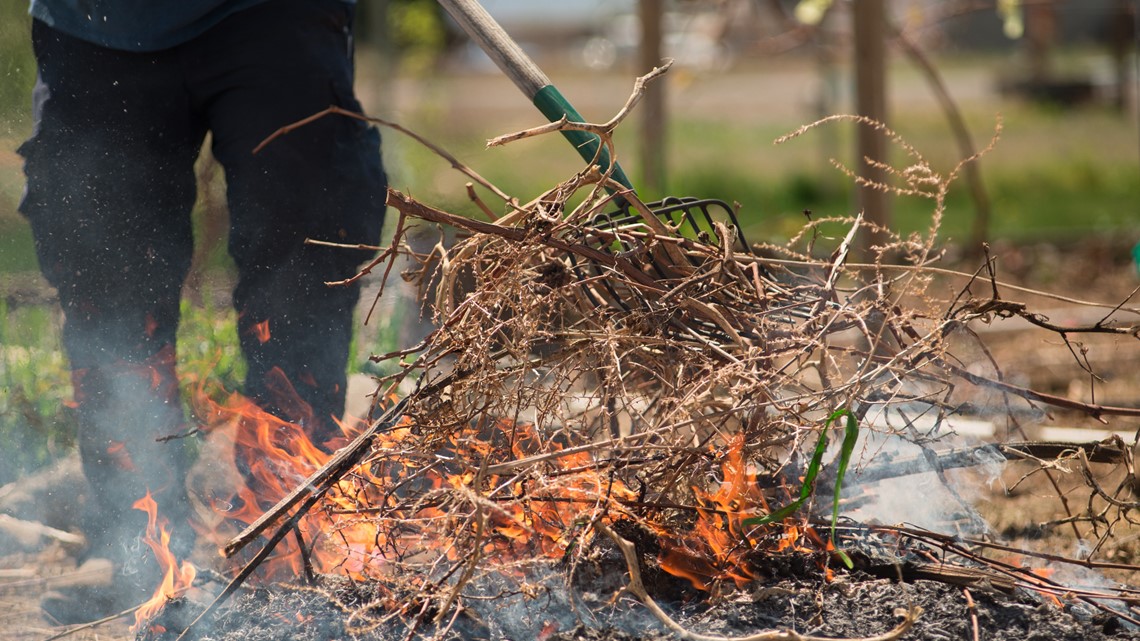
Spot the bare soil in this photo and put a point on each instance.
(853, 605)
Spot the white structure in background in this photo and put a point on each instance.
(602, 34)
(694, 39)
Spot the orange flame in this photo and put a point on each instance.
(717, 547)
(363, 524)
(1045, 573)
(1018, 561)
(277, 455)
(176, 577)
(274, 456)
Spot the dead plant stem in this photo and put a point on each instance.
(637, 588)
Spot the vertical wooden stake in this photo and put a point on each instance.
(651, 14)
(870, 23)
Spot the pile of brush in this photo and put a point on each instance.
(604, 367)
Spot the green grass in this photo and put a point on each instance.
(1052, 174)
(208, 352)
(35, 422)
(17, 66)
(1039, 203)
(17, 254)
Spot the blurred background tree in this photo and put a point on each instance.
(17, 66)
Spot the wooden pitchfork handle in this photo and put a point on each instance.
(529, 78)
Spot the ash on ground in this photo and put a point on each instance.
(850, 606)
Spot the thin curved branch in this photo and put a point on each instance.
(439, 151)
(603, 130)
(637, 588)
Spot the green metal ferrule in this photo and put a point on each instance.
(554, 106)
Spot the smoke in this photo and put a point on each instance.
(904, 478)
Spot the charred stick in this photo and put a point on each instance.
(306, 559)
(951, 574)
(939, 539)
(98, 622)
(636, 587)
(281, 533)
(1023, 575)
(1095, 451)
(338, 465)
(1044, 585)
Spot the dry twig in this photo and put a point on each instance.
(591, 364)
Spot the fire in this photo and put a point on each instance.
(176, 577)
(362, 522)
(1042, 588)
(551, 518)
(272, 456)
(416, 501)
(788, 539)
(1046, 573)
(718, 546)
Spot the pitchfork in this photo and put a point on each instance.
(692, 217)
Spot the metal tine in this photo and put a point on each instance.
(614, 220)
(691, 217)
(686, 207)
(674, 211)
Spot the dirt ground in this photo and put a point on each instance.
(1025, 513)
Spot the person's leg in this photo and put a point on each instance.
(110, 186)
(259, 70)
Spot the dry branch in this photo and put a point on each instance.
(598, 359)
(338, 465)
(637, 588)
(29, 534)
(1099, 452)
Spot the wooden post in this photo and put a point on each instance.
(378, 33)
(869, 17)
(652, 144)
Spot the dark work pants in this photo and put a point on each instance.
(110, 188)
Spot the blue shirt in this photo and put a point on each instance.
(135, 25)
